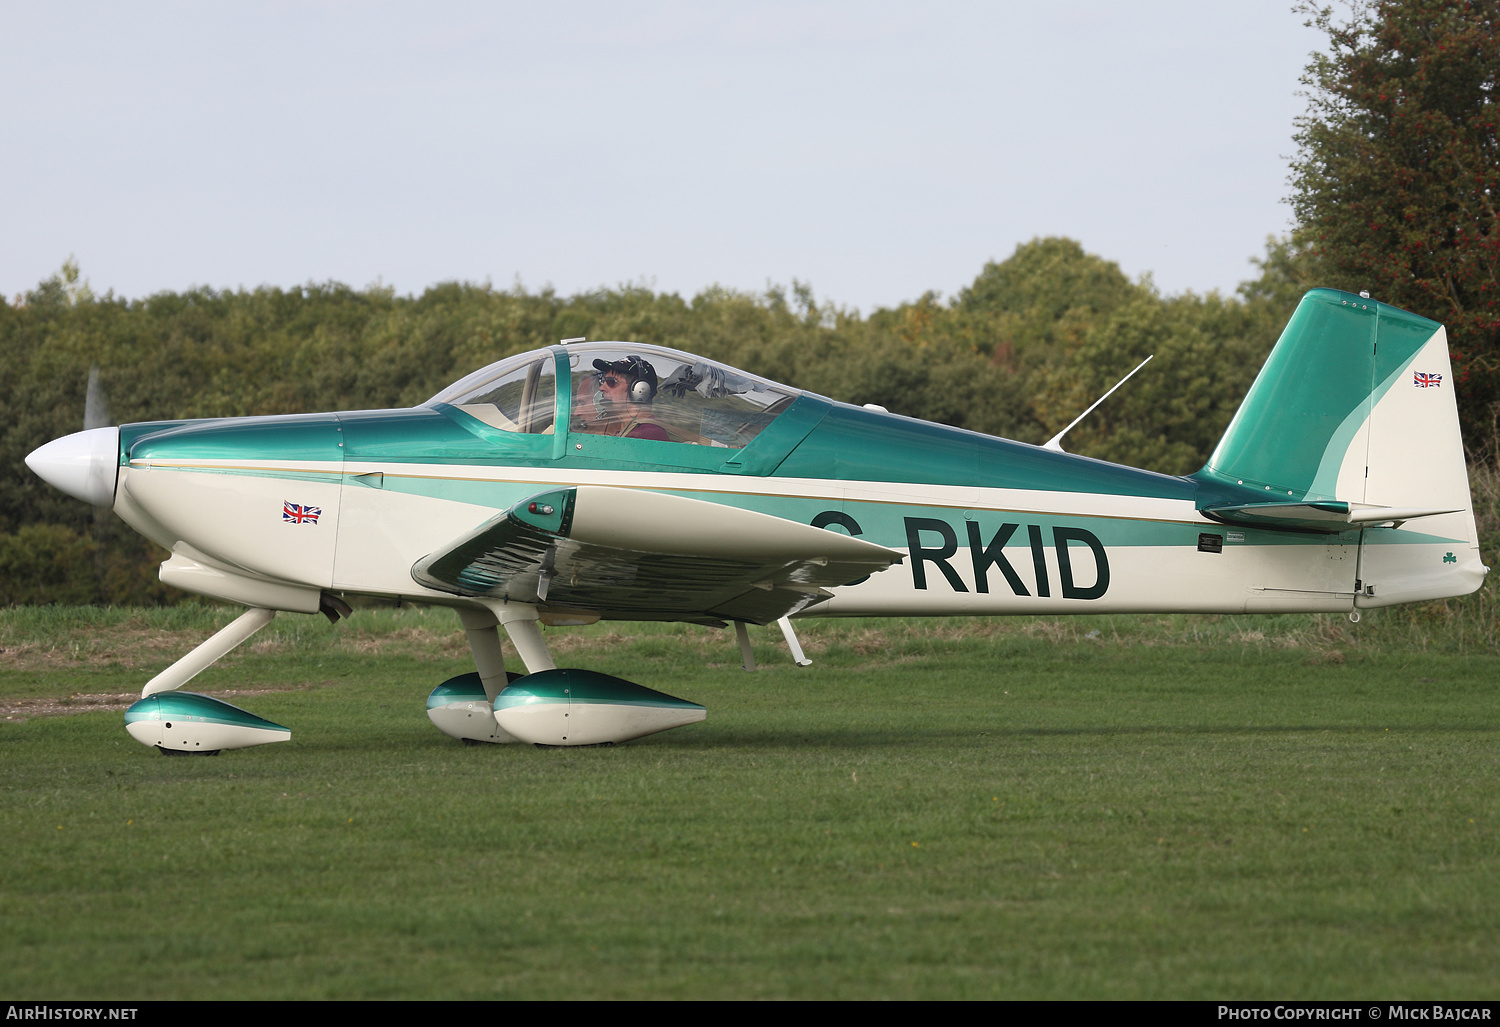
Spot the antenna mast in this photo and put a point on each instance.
(1055, 442)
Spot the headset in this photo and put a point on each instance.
(641, 374)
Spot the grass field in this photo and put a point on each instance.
(1094, 808)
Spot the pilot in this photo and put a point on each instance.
(623, 396)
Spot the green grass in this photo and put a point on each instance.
(1104, 807)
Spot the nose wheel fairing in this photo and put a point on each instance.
(187, 722)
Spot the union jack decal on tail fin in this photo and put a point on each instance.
(295, 513)
(1423, 380)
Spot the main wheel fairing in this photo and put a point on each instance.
(584, 707)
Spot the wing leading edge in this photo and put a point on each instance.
(632, 553)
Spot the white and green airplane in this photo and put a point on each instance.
(608, 480)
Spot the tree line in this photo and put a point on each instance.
(1019, 352)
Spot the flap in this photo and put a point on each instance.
(632, 553)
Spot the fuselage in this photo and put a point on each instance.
(349, 502)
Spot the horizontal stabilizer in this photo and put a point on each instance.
(1325, 516)
(623, 552)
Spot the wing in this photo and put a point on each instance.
(628, 553)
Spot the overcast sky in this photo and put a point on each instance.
(874, 150)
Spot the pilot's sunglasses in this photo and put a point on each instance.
(611, 381)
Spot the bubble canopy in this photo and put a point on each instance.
(621, 389)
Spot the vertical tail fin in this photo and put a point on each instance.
(1354, 411)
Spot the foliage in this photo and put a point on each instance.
(52, 563)
(1019, 352)
(1397, 173)
(42, 562)
(1030, 308)
(1173, 412)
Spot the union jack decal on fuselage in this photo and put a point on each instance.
(295, 513)
(1423, 380)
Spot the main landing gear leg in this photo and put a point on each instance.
(484, 643)
(210, 651)
(463, 707)
(520, 623)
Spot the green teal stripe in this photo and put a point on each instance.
(885, 523)
(322, 477)
(496, 495)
